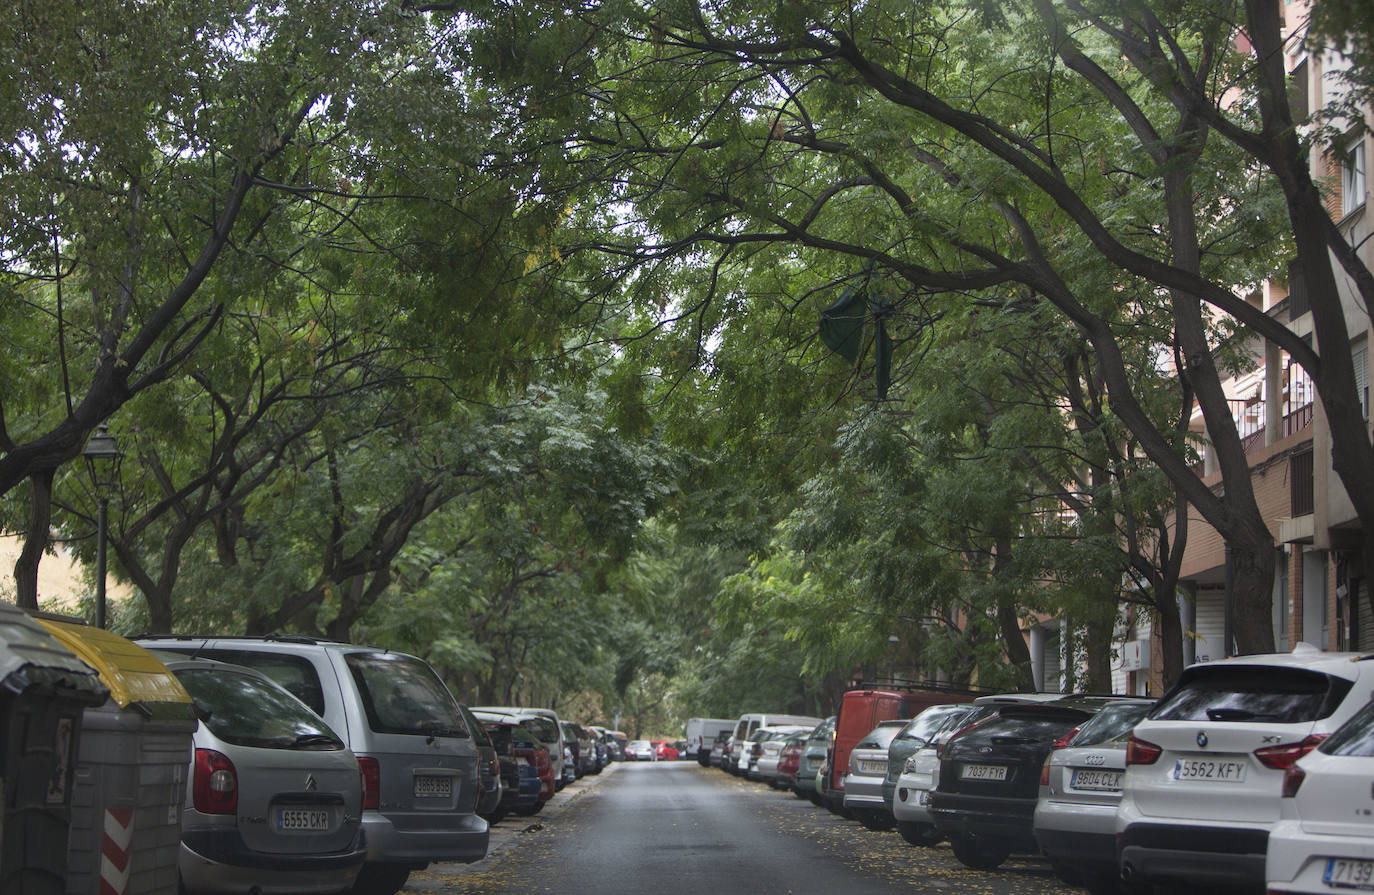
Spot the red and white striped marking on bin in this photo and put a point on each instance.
(115, 851)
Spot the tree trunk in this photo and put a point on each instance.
(35, 539)
(1170, 635)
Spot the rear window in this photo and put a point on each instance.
(1354, 737)
(928, 723)
(403, 695)
(1220, 693)
(880, 737)
(1111, 725)
(1016, 726)
(542, 727)
(248, 711)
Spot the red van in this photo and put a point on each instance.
(861, 708)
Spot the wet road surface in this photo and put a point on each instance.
(676, 827)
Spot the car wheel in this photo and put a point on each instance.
(918, 833)
(495, 817)
(979, 854)
(380, 879)
(874, 820)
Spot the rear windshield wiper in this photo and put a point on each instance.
(1227, 714)
(306, 740)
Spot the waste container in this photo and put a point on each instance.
(43, 691)
(130, 770)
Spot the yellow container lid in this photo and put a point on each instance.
(134, 675)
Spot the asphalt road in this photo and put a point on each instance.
(676, 827)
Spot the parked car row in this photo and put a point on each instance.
(1250, 774)
(325, 767)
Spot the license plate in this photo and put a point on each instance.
(433, 787)
(1342, 873)
(1095, 780)
(1215, 770)
(922, 797)
(983, 772)
(303, 819)
(873, 767)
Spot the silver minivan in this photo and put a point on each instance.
(275, 799)
(417, 758)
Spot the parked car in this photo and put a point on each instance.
(579, 740)
(769, 748)
(543, 723)
(1080, 788)
(916, 734)
(861, 708)
(620, 741)
(984, 800)
(1322, 840)
(489, 764)
(921, 770)
(681, 747)
(789, 762)
(415, 752)
(727, 755)
(718, 749)
(664, 751)
(605, 747)
(814, 749)
(752, 721)
(254, 745)
(640, 750)
(1205, 769)
(863, 785)
(530, 759)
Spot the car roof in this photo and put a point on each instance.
(1303, 655)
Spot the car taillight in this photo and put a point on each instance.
(1045, 773)
(1292, 781)
(1281, 758)
(1064, 740)
(372, 782)
(1140, 751)
(216, 787)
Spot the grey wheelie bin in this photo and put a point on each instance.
(43, 691)
(130, 771)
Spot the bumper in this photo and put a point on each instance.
(1077, 833)
(863, 792)
(1297, 861)
(215, 860)
(1198, 853)
(454, 837)
(913, 805)
(1002, 818)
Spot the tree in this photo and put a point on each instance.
(1079, 152)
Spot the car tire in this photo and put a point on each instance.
(924, 835)
(380, 879)
(979, 854)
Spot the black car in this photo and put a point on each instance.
(989, 778)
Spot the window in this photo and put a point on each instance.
(1352, 176)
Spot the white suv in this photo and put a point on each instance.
(1204, 770)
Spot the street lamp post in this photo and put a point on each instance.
(102, 458)
(892, 639)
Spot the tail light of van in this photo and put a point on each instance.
(372, 782)
(1140, 751)
(215, 789)
(1281, 758)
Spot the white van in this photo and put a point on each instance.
(747, 724)
(701, 734)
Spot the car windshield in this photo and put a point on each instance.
(403, 695)
(928, 723)
(1111, 725)
(246, 710)
(1278, 694)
